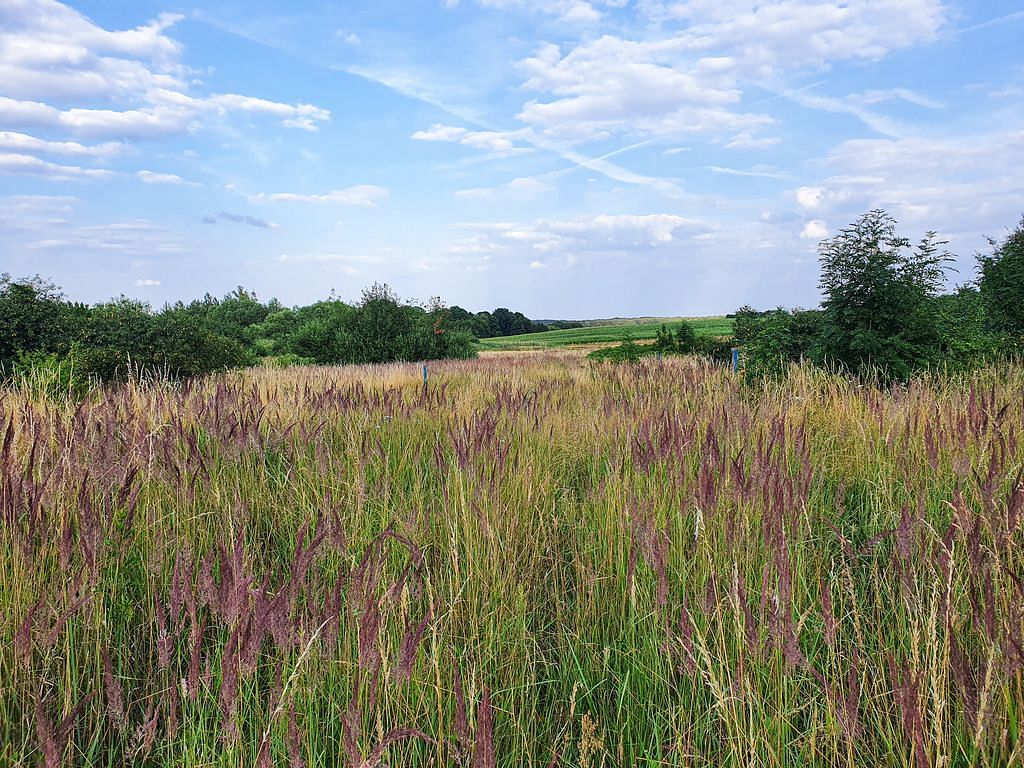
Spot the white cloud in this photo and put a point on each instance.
(814, 230)
(544, 239)
(498, 143)
(11, 162)
(527, 187)
(52, 53)
(147, 283)
(810, 198)
(149, 177)
(138, 237)
(347, 263)
(571, 11)
(803, 33)
(304, 116)
(20, 142)
(365, 195)
(746, 141)
(612, 85)
(961, 186)
(761, 172)
(692, 81)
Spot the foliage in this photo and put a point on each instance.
(122, 338)
(34, 318)
(876, 310)
(685, 338)
(883, 316)
(1001, 281)
(772, 340)
(626, 352)
(485, 325)
(961, 326)
(45, 376)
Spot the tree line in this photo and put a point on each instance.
(883, 312)
(40, 327)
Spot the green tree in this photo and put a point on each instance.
(686, 338)
(117, 339)
(379, 330)
(35, 317)
(1001, 281)
(183, 345)
(664, 341)
(877, 290)
(961, 327)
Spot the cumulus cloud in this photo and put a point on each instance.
(692, 81)
(814, 230)
(612, 85)
(366, 195)
(52, 53)
(147, 283)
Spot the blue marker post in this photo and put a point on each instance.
(735, 359)
(424, 380)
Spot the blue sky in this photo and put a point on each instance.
(567, 158)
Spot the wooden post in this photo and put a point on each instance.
(424, 380)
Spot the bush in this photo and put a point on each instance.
(626, 352)
(686, 338)
(46, 376)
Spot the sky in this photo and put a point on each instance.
(565, 158)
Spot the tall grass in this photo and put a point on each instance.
(539, 562)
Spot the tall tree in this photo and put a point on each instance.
(877, 291)
(1001, 281)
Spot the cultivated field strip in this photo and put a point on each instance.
(537, 561)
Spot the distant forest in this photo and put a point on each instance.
(40, 327)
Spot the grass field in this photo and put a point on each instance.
(603, 334)
(538, 562)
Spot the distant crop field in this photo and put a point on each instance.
(705, 326)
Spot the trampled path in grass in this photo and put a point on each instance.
(541, 561)
(604, 334)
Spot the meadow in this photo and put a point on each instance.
(538, 561)
(603, 334)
